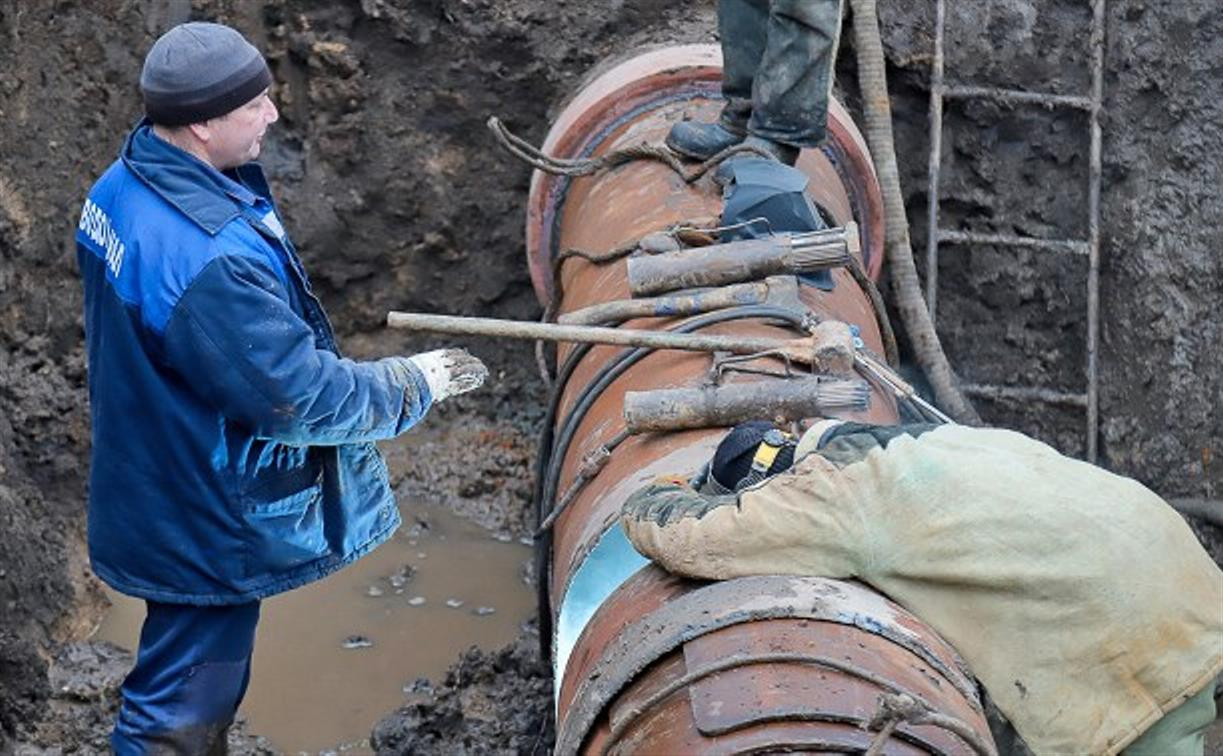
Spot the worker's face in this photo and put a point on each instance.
(236, 137)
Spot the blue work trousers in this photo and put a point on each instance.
(191, 673)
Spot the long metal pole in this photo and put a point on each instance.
(517, 329)
(1093, 230)
(935, 163)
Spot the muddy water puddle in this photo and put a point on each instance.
(333, 657)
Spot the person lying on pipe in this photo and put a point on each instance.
(1082, 601)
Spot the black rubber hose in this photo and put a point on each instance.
(543, 541)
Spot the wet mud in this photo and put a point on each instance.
(334, 656)
(398, 199)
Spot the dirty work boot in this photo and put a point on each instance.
(701, 141)
(782, 153)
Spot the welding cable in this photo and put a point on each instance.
(545, 446)
(626, 359)
(552, 454)
(543, 541)
(591, 466)
(891, 352)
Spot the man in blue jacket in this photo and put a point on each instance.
(233, 453)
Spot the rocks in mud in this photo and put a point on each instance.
(527, 572)
(356, 641)
(403, 576)
(397, 581)
(417, 529)
(483, 611)
(482, 472)
(453, 603)
(416, 601)
(421, 686)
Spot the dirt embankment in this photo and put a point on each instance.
(397, 198)
(394, 193)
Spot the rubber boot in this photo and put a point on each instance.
(701, 141)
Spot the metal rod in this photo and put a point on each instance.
(802, 350)
(1025, 394)
(1011, 240)
(833, 234)
(898, 385)
(1018, 96)
(1210, 510)
(935, 161)
(679, 303)
(1093, 230)
(516, 329)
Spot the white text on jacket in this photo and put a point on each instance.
(96, 225)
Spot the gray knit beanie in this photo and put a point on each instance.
(198, 71)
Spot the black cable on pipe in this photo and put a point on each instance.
(626, 359)
(543, 542)
(586, 474)
(555, 451)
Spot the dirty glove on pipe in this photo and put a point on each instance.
(450, 371)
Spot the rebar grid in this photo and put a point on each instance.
(1093, 103)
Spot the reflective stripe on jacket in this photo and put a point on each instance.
(232, 444)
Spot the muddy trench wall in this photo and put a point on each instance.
(397, 198)
(1017, 317)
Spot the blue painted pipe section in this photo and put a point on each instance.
(612, 562)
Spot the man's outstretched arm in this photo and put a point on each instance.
(235, 340)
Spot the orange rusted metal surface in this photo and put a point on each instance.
(809, 657)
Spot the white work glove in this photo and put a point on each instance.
(450, 371)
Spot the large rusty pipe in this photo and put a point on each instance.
(645, 661)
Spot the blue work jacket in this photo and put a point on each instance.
(232, 444)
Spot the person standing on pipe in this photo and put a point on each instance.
(233, 453)
(1081, 600)
(777, 73)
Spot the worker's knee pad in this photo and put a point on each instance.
(191, 673)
